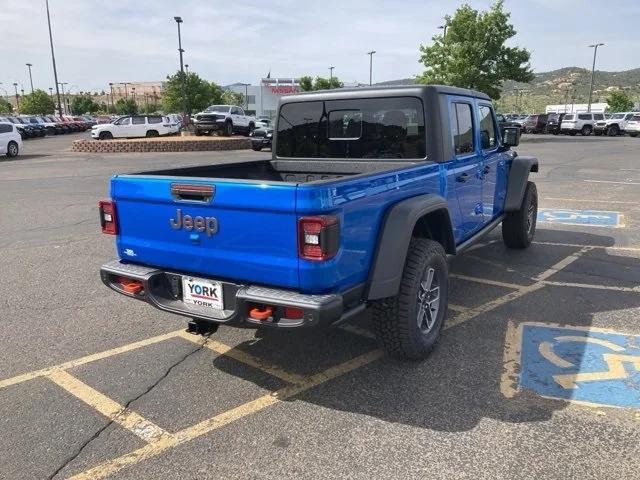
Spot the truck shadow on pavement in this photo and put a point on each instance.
(462, 382)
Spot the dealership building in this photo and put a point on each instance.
(262, 100)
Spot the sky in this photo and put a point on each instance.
(97, 42)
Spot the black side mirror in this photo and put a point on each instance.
(511, 136)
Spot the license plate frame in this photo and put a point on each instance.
(198, 291)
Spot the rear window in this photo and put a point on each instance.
(155, 119)
(137, 120)
(5, 128)
(362, 128)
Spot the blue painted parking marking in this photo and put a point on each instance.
(594, 218)
(587, 365)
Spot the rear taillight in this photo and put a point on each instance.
(108, 219)
(318, 237)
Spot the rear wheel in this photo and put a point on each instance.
(519, 227)
(585, 131)
(153, 133)
(409, 324)
(12, 149)
(633, 134)
(105, 136)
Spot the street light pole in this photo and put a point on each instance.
(64, 100)
(29, 65)
(593, 69)
(182, 76)
(53, 59)
(371, 66)
(444, 28)
(15, 85)
(331, 76)
(186, 67)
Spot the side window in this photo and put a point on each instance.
(137, 120)
(584, 116)
(155, 119)
(487, 128)
(6, 128)
(239, 111)
(462, 128)
(124, 121)
(234, 111)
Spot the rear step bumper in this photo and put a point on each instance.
(163, 290)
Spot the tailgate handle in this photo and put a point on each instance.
(194, 193)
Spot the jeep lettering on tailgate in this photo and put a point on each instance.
(201, 224)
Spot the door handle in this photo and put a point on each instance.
(462, 178)
(486, 169)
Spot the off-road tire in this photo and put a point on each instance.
(228, 129)
(395, 319)
(198, 133)
(12, 149)
(519, 227)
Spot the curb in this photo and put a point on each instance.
(161, 145)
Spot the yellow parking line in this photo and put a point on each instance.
(88, 359)
(153, 449)
(487, 281)
(457, 308)
(135, 423)
(244, 357)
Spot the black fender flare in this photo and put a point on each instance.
(517, 182)
(394, 237)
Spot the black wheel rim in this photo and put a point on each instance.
(428, 300)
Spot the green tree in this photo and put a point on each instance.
(5, 107)
(126, 106)
(151, 107)
(619, 101)
(320, 83)
(199, 93)
(84, 104)
(38, 102)
(232, 98)
(473, 54)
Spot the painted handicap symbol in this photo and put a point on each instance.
(574, 363)
(594, 218)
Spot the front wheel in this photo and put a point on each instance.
(257, 148)
(585, 131)
(228, 129)
(519, 227)
(409, 324)
(12, 149)
(105, 136)
(613, 131)
(153, 133)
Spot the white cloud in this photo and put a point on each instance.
(97, 42)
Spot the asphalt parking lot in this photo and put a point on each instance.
(536, 376)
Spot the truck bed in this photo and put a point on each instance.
(281, 171)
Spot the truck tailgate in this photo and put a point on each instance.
(246, 231)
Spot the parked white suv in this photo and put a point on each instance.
(10, 140)
(633, 125)
(582, 123)
(614, 125)
(133, 126)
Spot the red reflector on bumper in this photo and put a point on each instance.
(293, 313)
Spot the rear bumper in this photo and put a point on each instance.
(163, 290)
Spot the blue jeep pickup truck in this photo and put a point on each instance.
(367, 194)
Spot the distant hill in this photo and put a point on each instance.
(553, 87)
